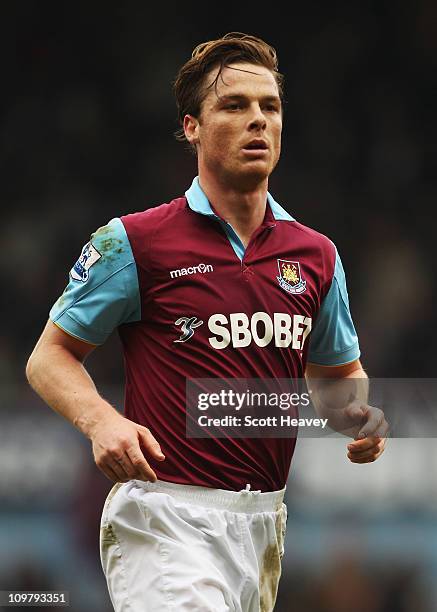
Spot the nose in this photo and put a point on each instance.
(257, 120)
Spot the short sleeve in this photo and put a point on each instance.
(333, 340)
(103, 290)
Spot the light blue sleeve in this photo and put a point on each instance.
(333, 340)
(103, 290)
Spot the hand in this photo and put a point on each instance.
(371, 438)
(117, 443)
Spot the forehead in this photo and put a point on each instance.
(242, 78)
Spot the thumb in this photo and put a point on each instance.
(355, 412)
(150, 444)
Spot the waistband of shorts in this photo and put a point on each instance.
(236, 501)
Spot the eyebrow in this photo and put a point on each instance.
(238, 96)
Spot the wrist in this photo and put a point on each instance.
(88, 422)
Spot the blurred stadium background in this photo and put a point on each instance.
(86, 134)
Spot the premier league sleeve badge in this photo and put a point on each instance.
(88, 257)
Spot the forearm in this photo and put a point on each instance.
(64, 384)
(330, 397)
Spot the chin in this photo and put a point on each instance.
(254, 175)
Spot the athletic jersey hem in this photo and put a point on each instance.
(335, 359)
(73, 328)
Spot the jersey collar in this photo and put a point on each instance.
(198, 202)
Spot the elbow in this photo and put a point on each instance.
(31, 369)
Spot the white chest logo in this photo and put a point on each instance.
(188, 325)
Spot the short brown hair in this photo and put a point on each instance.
(230, 48)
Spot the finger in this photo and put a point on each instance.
(124, 463)
(375, 428)
(383, 430)
(117, 466)
(150, 444)
(109, 473)
(142, 469)
(374, 431)
(367, 455)
(369, 459)
(362, 445)
(374, 420)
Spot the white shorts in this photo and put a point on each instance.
(168, 547)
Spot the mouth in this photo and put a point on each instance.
(256, 149)
(256, 145)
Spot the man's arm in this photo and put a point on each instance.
(340, 394)
(56, 372)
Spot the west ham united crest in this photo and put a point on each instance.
(290, 278)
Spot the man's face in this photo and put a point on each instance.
(238, 133)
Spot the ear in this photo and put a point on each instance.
(191, 129)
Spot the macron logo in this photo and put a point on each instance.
(200, 269)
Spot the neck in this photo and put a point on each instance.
(243, 209)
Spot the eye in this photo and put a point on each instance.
(272, 108)
(233, 106)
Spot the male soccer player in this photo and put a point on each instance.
(219, 283)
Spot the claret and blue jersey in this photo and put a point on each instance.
(189, 301)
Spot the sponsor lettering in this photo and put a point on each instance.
(239, 331)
